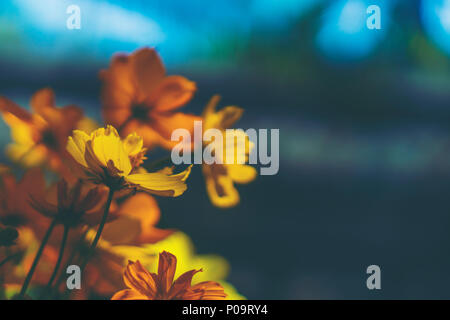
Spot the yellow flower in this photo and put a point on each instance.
(220, 178)
(107, 159)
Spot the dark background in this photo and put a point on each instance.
(363, 118)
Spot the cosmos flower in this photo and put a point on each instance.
(214, 267)
(39, 137)
(137, 96)
(220, 178)
(94, 217)
(107, 159)
(15, 210)
(143, 285)
(73, 205)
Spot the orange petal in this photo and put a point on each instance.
(119, 75)
(138, 278)
(166, 270)
(151, 137)
(181, 284)
(143, 208)
(148, 71)
(173, 92)
(72, 114)
(116, 116)
(8, 106)
(118, 90)
(165, 124)
(153, 235)
(42, 99)
(210, 290)
(128, 294)
(33, 182)
(8, 187)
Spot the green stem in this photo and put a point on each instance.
(70, 260)
(60, 257)
(100, 228)
(37, 258)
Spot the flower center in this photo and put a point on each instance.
(140, 111)
(13, 220)
(49, 139)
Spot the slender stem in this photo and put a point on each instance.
(100, 228)
(71, 258)
(60, 257)
(37, 258)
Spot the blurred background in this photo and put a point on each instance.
(364, 119)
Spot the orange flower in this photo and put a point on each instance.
(15, 210)
(138, 97)
(71, 205)
(135, 223)
(41, 136)
(144, 285)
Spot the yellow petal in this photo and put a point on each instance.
(238, 146)
(228, 116)
(161, 184)
(220, 187)
(240, 173)
(26, 155)
(210, 107)
(222, 119)
(214, 268)
(21, 131)
(180, 245)
(76, 146)
(107, 145)
(129, 252)
(133, 144)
